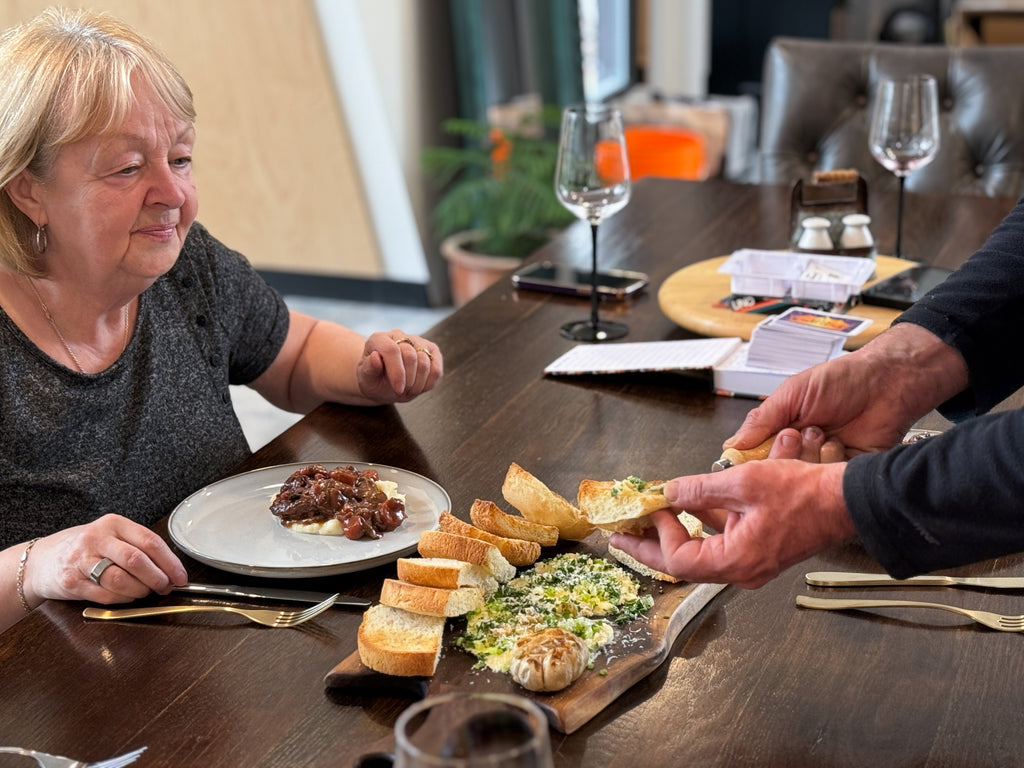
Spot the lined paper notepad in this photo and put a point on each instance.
(689, 354)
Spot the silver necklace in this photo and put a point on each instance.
(60, 336)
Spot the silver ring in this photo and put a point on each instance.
(99, 568)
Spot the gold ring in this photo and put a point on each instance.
(426, 352)
(404, 340)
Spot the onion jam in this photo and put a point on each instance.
(315, 495)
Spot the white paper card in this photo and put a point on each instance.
(688, 354)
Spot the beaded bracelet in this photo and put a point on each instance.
(19, 580)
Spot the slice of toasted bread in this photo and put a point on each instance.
(482, 553)
(430, 601)
(635, 565)
(397, 642)
(621, 505)
(490, 517)
(539, 504)
(516, 551)
(445, 573)
(693, 527)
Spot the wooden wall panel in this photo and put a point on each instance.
(275, 170)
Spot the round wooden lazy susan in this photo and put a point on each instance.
(688, 297)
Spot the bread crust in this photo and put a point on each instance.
(397, 642)
(516, 551)
(445, 573)
(488, 516)
(476, 551)
(539, 504)
(430, 601)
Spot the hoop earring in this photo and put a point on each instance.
(40, 242)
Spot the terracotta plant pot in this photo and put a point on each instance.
(471, 273)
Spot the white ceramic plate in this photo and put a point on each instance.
(229, 525)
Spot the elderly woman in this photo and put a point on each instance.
(123, 322)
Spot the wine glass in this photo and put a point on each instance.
(905, 131)
(473, 730)
(592, 181)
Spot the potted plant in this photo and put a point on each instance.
(499, 203)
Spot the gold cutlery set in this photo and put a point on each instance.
(266, 617)
(1004, 623)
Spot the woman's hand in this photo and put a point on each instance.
(396, 367)
(58, 566)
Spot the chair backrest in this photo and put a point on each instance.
(818, 97)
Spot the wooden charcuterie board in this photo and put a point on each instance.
(639, 648)
(688, 296)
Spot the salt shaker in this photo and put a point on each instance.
(815, 236)
(855, 231)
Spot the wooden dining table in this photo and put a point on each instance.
(751, 680)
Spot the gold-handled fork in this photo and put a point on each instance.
(264, 616)
(57, 761)
(989, 619)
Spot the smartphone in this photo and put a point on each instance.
(904, 288)
(547, 276)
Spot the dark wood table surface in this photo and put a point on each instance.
(753, 680)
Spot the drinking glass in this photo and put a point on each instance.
(905, 131)
(592, 181)
(473, 730)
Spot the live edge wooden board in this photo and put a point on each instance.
(688, 296)
(639, 648)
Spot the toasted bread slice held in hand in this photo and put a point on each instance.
(445, 573)
(621, 505)
(490, 517)
(516, 551)
(482, 553)
(539, 504)
(397, 642)
(693, 527)
(430, 601)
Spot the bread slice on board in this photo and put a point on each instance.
(445, 573)
(490, 517)
(538, 503)
(516, 551)
(444, 544)
(431, 601)
(397, 642)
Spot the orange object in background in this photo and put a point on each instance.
(667, 151)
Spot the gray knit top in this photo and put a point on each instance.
(155, 426)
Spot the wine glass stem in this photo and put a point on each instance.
(594, 298)
(899, 220)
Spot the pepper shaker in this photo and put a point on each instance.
(855, 231)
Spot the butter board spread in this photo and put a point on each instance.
(580, 593)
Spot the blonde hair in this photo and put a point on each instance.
(65, 76)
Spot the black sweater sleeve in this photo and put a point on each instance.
(957, 498)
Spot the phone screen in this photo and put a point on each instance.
(904, 288)
(561, 278)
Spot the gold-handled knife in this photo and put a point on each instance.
(840, 579)
(270, 593)
(733, 456)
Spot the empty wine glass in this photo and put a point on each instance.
(592, 181)
(473, 730)
(905, 131)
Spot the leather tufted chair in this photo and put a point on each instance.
(818, 97)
